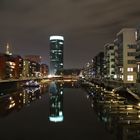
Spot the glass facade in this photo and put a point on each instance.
(56, 53)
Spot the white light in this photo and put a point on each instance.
(138, 68)
(56, 119)
(50, 76)
(56, 38)
(61, 43)
(115, 76)
(60, 113)
(136, 35)
(130, 77)
(130, 69)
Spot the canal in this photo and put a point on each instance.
(53, 111)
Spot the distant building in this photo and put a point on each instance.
(26, 68)
(126, 51)
(10, 67)
(109, 54)
(35, 58)
(99, 65)
(56, 53)
(2, 66)
(74, 72)
(44, 70)
(34, 69)
(18, 65)
(30, 68)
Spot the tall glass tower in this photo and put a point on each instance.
(56, 53)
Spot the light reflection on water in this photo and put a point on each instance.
(118, 118)
(15, 101)
(56, 92)
(56, 102)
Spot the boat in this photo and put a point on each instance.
(31, 83)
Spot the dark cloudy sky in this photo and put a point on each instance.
(86, 25)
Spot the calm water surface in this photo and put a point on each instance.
(54, 111)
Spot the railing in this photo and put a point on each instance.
(20, 79)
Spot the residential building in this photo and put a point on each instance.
(137, 35)
(109, 55)
(126, 50)
(18, 65)
(99, 65)
(7, 66)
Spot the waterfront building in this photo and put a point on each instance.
(109, 56)
(99, 65)
(26, 68)
(56, 53)
(31, 68)
(18, 65)
(126, 51)
(2, 66)
(7, 66)
(137, 35)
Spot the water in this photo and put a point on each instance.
(54, 111)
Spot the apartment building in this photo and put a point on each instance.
(126, 51)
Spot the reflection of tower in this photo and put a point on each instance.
(56, 105)
(56, 53)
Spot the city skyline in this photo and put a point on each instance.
(86, 25)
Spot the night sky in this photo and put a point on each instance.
(85, 24)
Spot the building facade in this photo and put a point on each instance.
(44, 70)
(56, 53)
(137, 34)
(126, 51)
(109, 54)
(99, 65)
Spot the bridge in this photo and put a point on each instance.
(56, 77)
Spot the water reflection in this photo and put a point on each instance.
(118, 116)
(56, 102)
(15, 101)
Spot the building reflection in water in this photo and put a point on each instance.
(15, 101)
(56, 102)
(118, 117)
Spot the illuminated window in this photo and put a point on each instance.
(130, 69)
(136, 35)
(121, 77)
(115, 76)
(121, 70)
(130, 78)
(138, 68)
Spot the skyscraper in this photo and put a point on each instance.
(56, 53)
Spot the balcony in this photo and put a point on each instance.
(137, 58)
